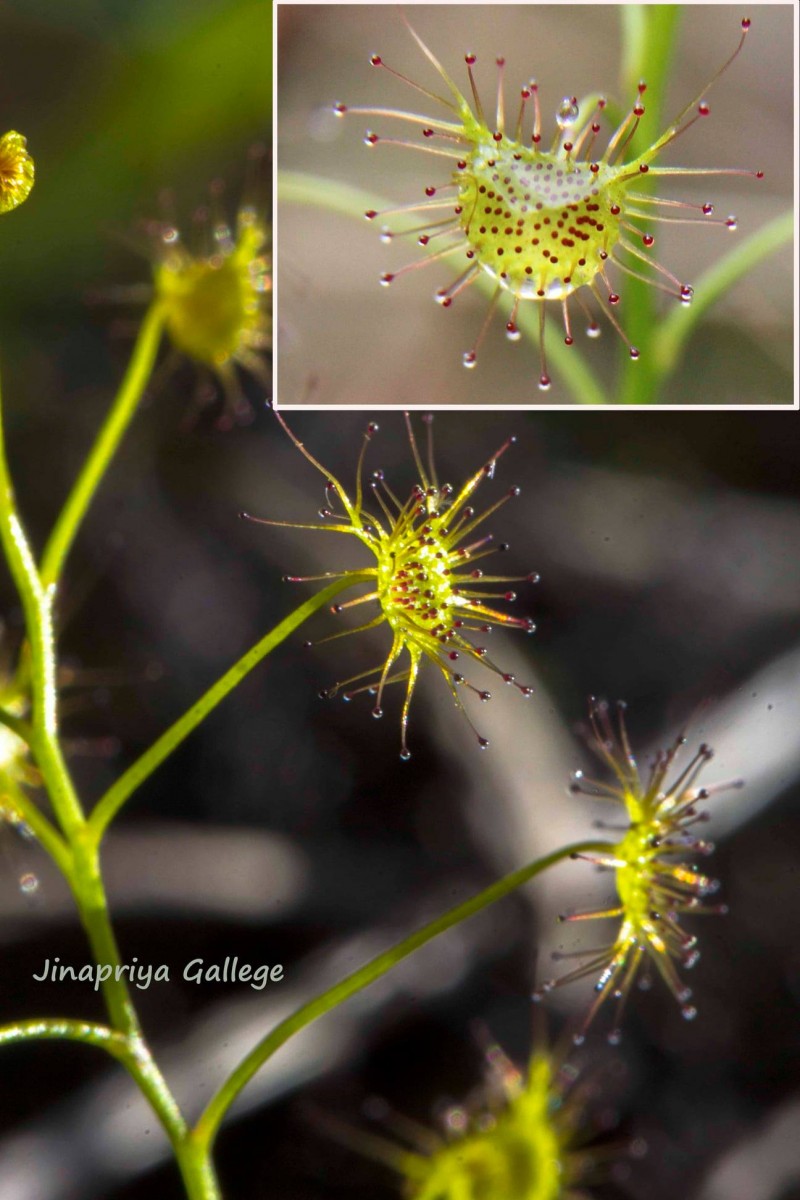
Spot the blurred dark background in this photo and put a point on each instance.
(286, 830)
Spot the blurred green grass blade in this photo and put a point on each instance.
(671, 337)
(295, 187)
(648, 41)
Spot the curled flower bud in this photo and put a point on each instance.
(425, 582)
(16, 171)
(656, 886)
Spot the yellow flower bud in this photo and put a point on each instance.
(16, 171)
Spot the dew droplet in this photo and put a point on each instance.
(731, 223)
(405, 755)
(567, 112)
(28, 883)
(593, 331)
(469, 359)
(544, 383)
(688, 1012)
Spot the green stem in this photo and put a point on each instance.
(109, 805)
(130, 393)
(57, 1028)
(86, 883)
(197, 1170)
(37, 604)
(17, 725)
(39, 825)
(79, 860)
(208, 1124)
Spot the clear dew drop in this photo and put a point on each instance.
(688, 1012)
(28, 883)
(566, 113)
(593, 331)
(469, 359)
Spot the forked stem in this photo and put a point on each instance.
(105, 447)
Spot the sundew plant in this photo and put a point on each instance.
(576, 215)
(536, 1124)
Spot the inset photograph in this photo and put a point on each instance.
(535, 205)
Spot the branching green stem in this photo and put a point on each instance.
(105, 447)
(109, 805)
(75, 853)
(40, 826)
(209, 1122)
